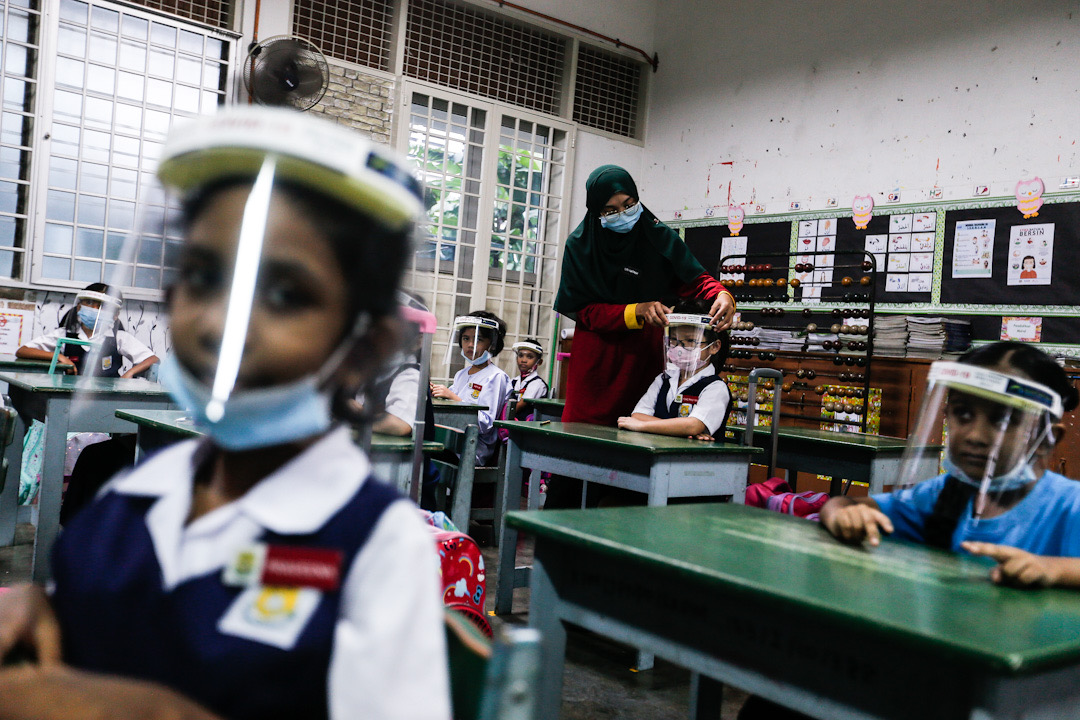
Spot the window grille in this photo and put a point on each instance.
(357, 32)
(607, 91)
(18, 86)
(121, 78)
(459, 47)
(217, 13)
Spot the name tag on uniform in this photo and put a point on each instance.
(476, 388)
(270, 614)
(283, 565)
(106, 362)
(631, 271)
(686, 404)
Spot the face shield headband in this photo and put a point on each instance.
(686, 353)
(463, 323)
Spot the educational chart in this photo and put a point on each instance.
(13, 325)
(817, 237)
(1031, 254)
(973, 249)
(1024, 329)
(906, 253)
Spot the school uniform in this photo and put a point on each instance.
(526, 387)
(489, 388)
(1045, 522)
(399, 390)
(141, 593)
(705, 396)
(119, 346)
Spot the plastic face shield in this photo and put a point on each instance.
(685, 344)
(247, 267)
(531, 349)
(994, 424)
(471, 338)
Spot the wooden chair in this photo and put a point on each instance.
(491, 681)
(460, 475)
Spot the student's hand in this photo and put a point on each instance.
(631, 423)
(61, 692)
(443, 393)
(65, 360)
(702, 436)
(1016, 567)
(27, 619)
(722, 311)
(653, 313)
(854, 522)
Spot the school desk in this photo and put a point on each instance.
(390, 456)
(455, 414)
(858, 457)
(774, 605)
(65, 403)
(663, 467)
(10, 363)
(546, 408)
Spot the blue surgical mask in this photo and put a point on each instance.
(622, 222)
(253, 419)
(479, 360)
(88, 316)
(1015, 479)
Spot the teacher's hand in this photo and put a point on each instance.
(653, 313)
(722, 311)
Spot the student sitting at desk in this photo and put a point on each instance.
(528, 385)
(396, 390)
(94, 318)
(479, 335)
(1003, 404)
(262, 571)
(689, 398)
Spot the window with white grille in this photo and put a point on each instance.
(459, 47)
(217, 13)
(121, 77)
(607, 91)
(358, 32)
(18, 86)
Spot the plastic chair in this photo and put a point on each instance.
(491, 681)
(460, 475)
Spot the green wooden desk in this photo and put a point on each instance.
(776, 606)
(859, 457)
(65, 403)
(546, 408)
(661, 466)
(10, 363)
(455, 414)
(390, 456)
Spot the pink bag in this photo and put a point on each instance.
(758, 494)
(775, 494)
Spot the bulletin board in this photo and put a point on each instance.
(982, 285)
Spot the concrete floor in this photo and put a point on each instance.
(598, 682)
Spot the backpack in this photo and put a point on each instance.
(776, 495)
(464, 581)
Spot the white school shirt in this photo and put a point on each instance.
(389, 655)
(401, 398)
(133, 350)
(711, 405)
(534, 389)
(490, 387)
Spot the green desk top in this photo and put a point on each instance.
(454, 406)
(830, 437)
(603, 436)
(14, 364)
(70, 384)
(180, 423)
(547, 403)
(932, 599)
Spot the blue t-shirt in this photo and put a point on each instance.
(1046, 522)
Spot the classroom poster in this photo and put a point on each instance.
(973, 248)
(1031, 254)
(1025, 329)
(13, 323)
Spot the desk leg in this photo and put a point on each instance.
(506, 491)
(9, 497)
(658, 497)
(52, 485)
(706, 697)
(543, 617)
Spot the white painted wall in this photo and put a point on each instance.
(780, 101)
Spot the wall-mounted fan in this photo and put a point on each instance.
(286, 71)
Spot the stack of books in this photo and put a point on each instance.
(814, 341)
(926, 337)
(957, 335)
(890, 335)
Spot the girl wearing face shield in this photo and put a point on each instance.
(94, 318)
(1002, 406)
(262, 571)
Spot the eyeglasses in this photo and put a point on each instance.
(687, 344)
(608, 212)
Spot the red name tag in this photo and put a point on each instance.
(302, 567)
(690, 399)
(477, 387)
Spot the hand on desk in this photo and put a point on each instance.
(631, 423)
(443, 393)
(27, 621)
(65, 360)
(855, 520)
(1020, 568)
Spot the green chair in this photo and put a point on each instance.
(459, 476)
(491, 681)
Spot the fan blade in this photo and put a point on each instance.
(310, 81)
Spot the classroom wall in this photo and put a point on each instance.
(774, 102)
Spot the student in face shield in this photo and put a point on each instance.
(262, 571)
(997, 497)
